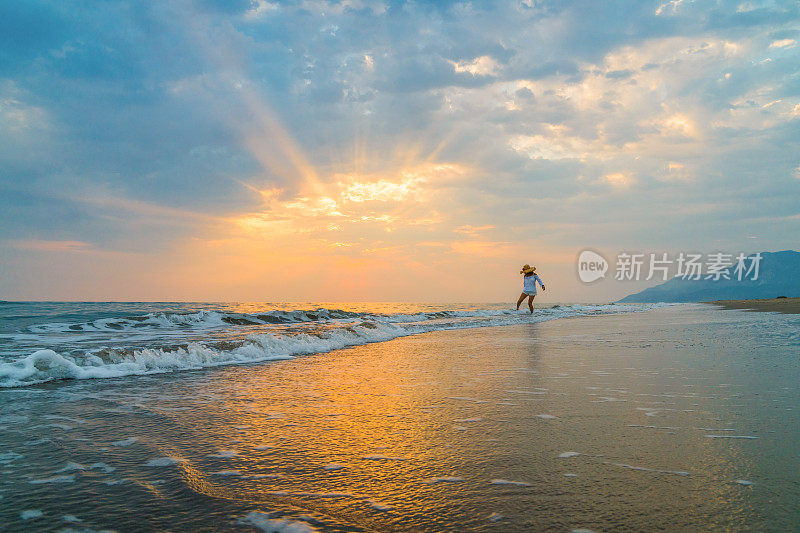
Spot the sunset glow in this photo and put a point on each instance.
(399, 265)
(427, 162)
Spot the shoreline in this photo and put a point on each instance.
(555, 425)
(763, 305)
(54, 365)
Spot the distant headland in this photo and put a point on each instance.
(777, 277)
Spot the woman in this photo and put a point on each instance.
(529, 286)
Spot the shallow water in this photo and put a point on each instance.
(676, 418)
(41, 342)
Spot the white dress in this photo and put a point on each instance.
(529, 284)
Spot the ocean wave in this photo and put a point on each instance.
(358, 328)
(47, 365)
(201, 319)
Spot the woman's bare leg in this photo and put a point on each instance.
(521, 298)
(530, 302)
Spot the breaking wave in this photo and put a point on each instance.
(200, 319)
(331, 330)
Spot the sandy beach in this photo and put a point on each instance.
(775, 305)
(668, 419)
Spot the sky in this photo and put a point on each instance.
(235, 150)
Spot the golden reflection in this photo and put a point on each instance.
(416, 424)
(601, 421)
(347, 439)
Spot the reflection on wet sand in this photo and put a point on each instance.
(598, 423)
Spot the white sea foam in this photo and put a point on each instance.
(68, 419)
(330, 330)
(47, 365)
(746, 437)
(55, 479)
(63, 427)
(265, 522)
(125, 442)
(164, 461)
(37, 442)
(378, 457)
(225, 454)
(510, 482)
(227, 473)
(443, 479)
(30, 514)
(378, 506)
(645, 469)
(652, 427)
(71, 467)
(102, 466)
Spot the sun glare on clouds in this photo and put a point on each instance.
(434, 145)
(480, 66)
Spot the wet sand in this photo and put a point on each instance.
(682, 418)
(776, 305)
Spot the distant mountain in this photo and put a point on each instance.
(779, 275)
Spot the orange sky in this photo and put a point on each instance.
(360, 150)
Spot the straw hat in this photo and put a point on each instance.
(526, 269)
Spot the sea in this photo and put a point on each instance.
(51, 341)
(332, 417)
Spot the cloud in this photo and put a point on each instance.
(395, 137)
(480, 66)
(670, 7)
(783, 43)
(351, 206)
(473, 231)
(618, 179)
